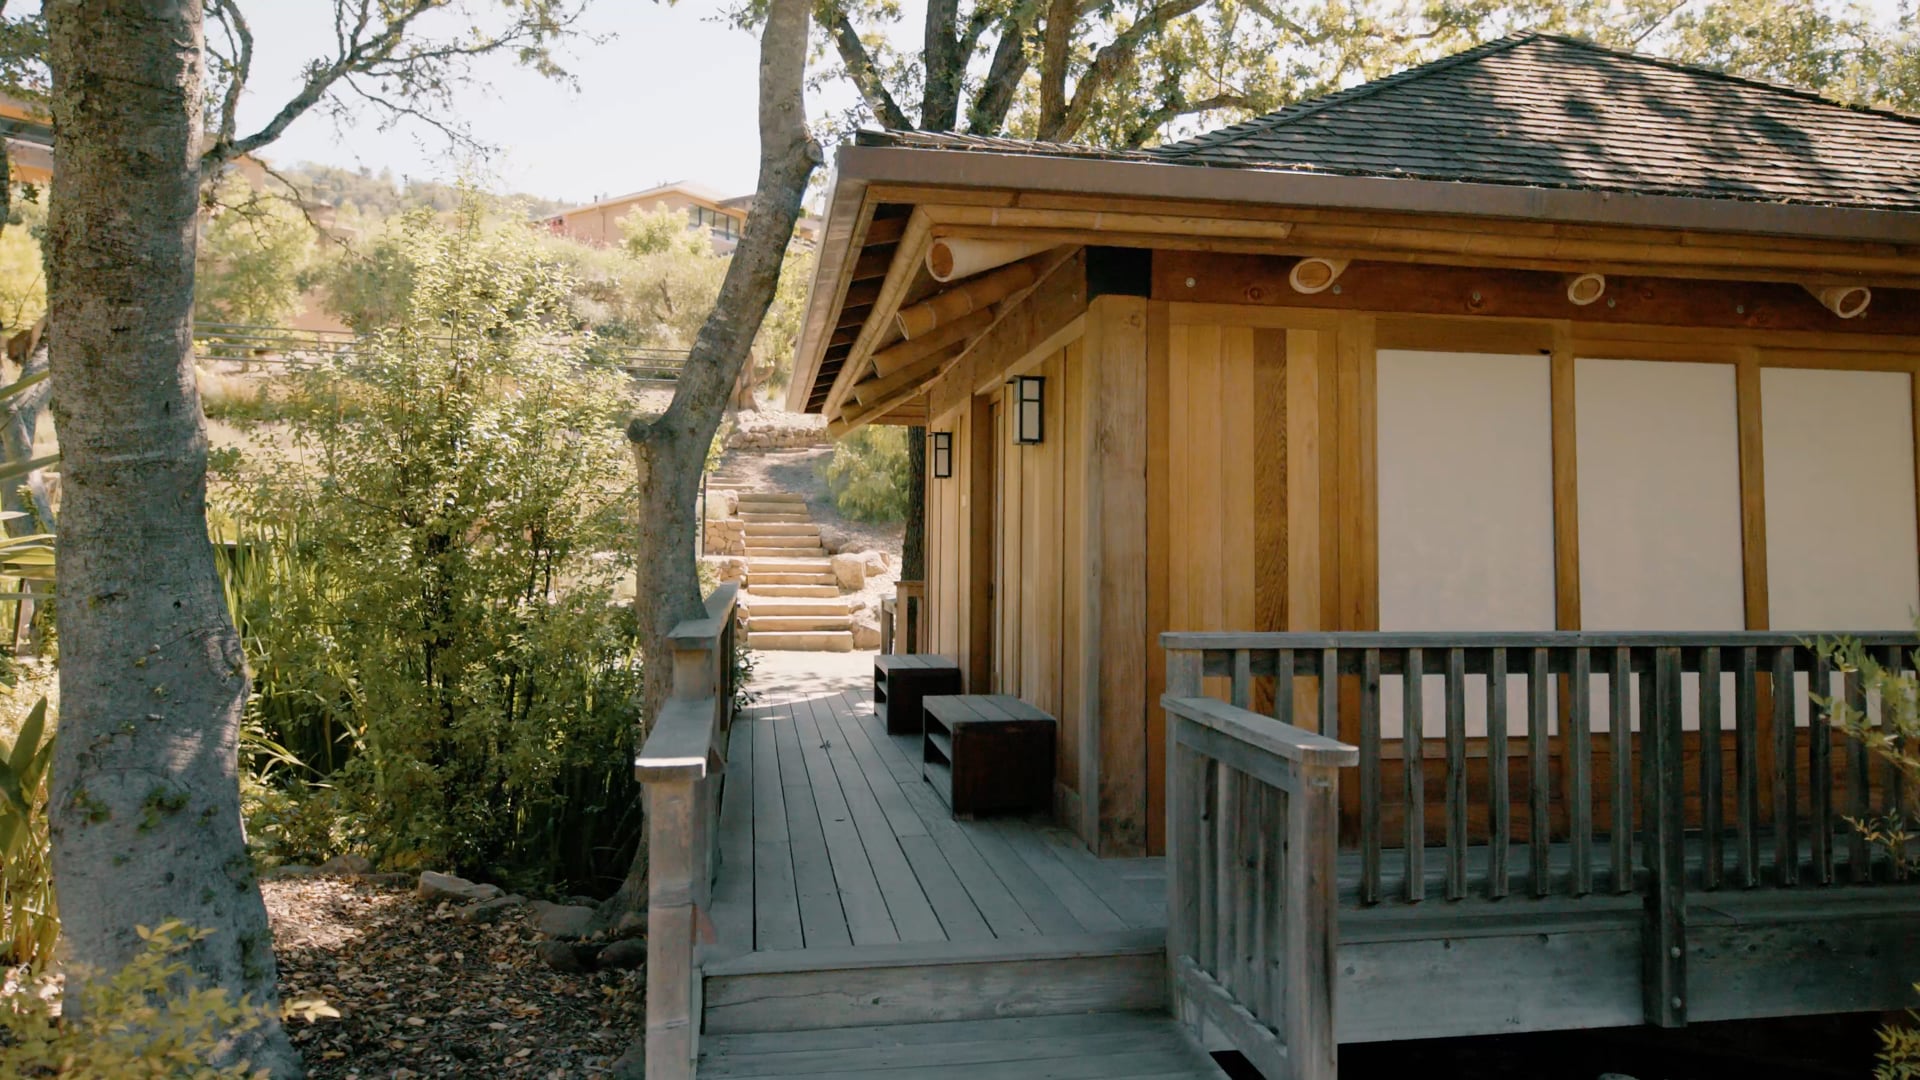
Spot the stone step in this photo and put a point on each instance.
(777, 577)
(783, 540)
(756, 608)
(805, 641)
(772, 589)
(755, 551)
(761, 517)
(761, 624)
(789, 564)
(782, 528)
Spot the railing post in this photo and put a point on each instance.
(671, 813)
(1312, 951)
(1183, 853)
(1664, 940)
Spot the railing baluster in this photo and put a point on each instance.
(1370, 776)
(1226, 826)
(1206, 864)
(1665, 965)
(1240, 958)
(1786, 830)
(1456, 790)
(1242, 690)
(1620, 747)
(1820, 771)
(1539, 775)
(1283, 685)
(1711, 828)
(1746, 770)
(1859, 799)
(1330, 693)
(1499, 810)
(1411, 733)
(1265, 899)
(1893, 797)
(1579, 741)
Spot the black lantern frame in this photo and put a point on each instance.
(1029, 409)
(942, 455)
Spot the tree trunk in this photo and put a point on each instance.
(145, 803)
(672, 449)
(913, 549)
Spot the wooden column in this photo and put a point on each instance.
(1115, 604)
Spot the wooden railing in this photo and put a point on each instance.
(682, 767)
(1251, 875)
(903, 619)
(1709, 752)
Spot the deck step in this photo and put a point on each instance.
(803, 989)
(774, 589)
(755, 607)
(762, 624)
(802, 641)
(1102, 1044)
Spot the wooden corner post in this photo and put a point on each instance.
(1115, 642)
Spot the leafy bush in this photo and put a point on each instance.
(29, 915)
(149, 1021)
(868, 474)
(253, 259)
(429, 617)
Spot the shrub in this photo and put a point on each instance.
(428, 598)
(150, 1020)
(868, 474)
(29, 915)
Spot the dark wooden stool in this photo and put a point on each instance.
(901, 680)
(988, 753)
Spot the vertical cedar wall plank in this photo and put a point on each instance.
(1116, 343)
(1358, 525)
(1304, 440)
(1270, 480)
(1158, 520)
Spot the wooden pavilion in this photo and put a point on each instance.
(1415, 506)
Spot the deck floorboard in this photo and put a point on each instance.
(1103, 1045)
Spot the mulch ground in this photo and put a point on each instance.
(422, 995)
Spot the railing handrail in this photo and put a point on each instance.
(1263, 733)
(1188, 640)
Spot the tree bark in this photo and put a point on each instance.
(145, 808)
(913, 549)
(671, 449)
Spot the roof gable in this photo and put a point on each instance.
(1550, 111)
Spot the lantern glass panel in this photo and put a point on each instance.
(1029, 418)
(942, 455)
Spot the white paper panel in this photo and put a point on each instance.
(1840, 499)
(1466, 507)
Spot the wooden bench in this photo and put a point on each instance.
(901, 680)
(988, 753)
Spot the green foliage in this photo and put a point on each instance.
(1900, 1050)
(152, 1020)
(23, 277)
(868, 474)
(429, 617)
(29, 915)
(255, 252)
(364, 194)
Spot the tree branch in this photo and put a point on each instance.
(239, 65)
(1055, 51)
(859, 65)
(1150, 122)
(994, 99)
(1113, 59)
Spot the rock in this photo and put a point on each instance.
(388, 881)
(726, 536)
(290, 872)
(632, 1065)
(560, 921)
(623, 955)
(728, 568)
(856, 603)
(632, 924)
(569, 956)
(876, 562)
(488, 911)
(850, 572)
(347, 866)
(866, 630)
(438, 886)
(833, 540)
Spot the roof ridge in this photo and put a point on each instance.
(1724, 76)
(1287, 114)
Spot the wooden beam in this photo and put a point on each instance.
(1021, 325)
(1753, 493)
(873, 263)
(1566, 489)
(1489, 292)
(1100, 221)
(894, 357)
(908, 378)
(886, 230)
(974, 294)
(1359, 528)
(1158, 552)
(900, 277)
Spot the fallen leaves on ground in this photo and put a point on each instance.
(420, 995)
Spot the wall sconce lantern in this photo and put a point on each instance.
(942, 455)
(1029, 422)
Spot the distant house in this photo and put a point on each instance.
(722, 218)
(29, 136)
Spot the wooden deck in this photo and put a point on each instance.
(829, 838)
(861, 931)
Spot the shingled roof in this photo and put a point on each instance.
(1541, 110)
